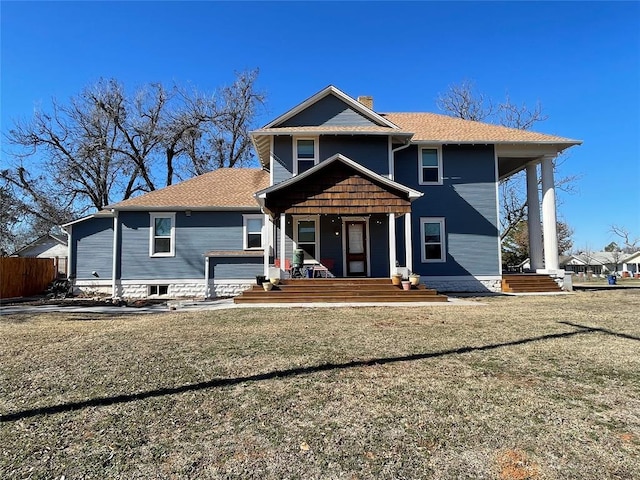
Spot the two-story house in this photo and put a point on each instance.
(361, 192)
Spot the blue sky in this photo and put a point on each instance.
(581, 60)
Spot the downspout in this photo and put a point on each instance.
(392, 157)
(114, 284)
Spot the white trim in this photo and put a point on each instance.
(283, 241)
(408, 242)
(391, 157)
(344, 242)
(307, 218)
(172, 236)
(549, 221)
(87, 282)
(359, 107)
(245, 231)
(497, 186)
(438, 149)
(268, 243)
(316, 152)
(392, 243)
(271, 159)
(160, 281)
(88, 217)
(443, 250)
(114, 260)
(207, 288)
(68, 229)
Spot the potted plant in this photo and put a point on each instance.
(267, 286)
(406, 285)
(396, 279)
(414, 278)
(260, 279)
(275, 280)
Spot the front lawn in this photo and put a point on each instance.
(520, 388)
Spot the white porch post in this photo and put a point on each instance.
(267, 242)
(533, 217)
(549, 216)
(407, 242)
(207, 292)
(392, 243)
(282, 252)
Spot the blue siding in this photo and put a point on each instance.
(92, 249)
(329, 111)
(330, 243)
(283, 159)
(235, 268)
(467, 200)
(371, 152)
(379, 243)
(194, 236)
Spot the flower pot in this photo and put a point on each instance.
(275, 280)
(406, 285)
(260, 279)
(267, 286)
(395, 279)
(414, 279)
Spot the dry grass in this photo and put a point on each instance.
(502, 391)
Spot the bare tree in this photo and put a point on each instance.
(631, 243)
(463, 101)
(105, 145)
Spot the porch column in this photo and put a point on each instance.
(282, 252)
(392, 243)
(550, 233)
(407, 242)
(533, 217)
(267, 242)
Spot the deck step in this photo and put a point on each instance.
(338, 290)
(529, 283)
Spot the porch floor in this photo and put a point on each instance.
(338, 290)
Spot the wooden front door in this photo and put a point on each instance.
(356, 249)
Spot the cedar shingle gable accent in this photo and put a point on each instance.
(219, 189)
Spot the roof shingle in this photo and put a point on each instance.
(222, 188)
(432, 127)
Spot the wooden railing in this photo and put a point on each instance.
(22, 276)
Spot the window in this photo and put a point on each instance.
(253, 228)
(306, 234)
(430, 166)
(432, 234)
(305, 154)
(158, 290)
(162, 235)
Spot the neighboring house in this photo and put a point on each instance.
(360, 191)
(47, 246)
(602, 263)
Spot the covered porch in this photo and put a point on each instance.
(341, 216)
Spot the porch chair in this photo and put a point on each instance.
(323, 269)
(287, 265)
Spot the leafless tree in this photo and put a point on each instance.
(105, 145)
(464, 101)
(631, 243)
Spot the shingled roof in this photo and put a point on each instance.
(432, 127)
(225, 188)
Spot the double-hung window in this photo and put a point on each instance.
(162, 235)
(432, 235)
(430, 166)
(305, 154)
(253, 227)
(306, 237)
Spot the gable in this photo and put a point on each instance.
(328, 111)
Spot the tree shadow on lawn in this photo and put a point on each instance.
(292, 372)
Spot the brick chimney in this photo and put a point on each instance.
(367, 101)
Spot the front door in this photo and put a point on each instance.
(356, 249)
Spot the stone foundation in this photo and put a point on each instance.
(464, 284)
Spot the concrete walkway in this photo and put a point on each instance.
(201, 305)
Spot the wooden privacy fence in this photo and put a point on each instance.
(22, 276)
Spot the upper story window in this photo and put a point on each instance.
(253, 227)
(305, 154)
(432, 234)
(430, 166)
(162, 235)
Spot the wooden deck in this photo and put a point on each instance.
(338, 290)
(528, 283)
